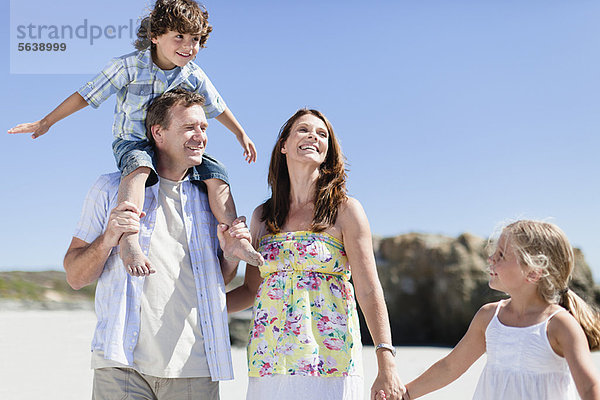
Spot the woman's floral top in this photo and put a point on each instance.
(304, 320)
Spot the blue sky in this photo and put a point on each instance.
(454, 116)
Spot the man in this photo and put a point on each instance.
(160, 336)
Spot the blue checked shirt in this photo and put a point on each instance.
(118, 294)
(137, 80)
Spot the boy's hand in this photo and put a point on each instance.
(38, 128)
(249, 149)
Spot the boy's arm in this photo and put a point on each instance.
(567, 339)
(466, 352)
(72, 104)
(228, 120)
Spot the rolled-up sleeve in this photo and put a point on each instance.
(96, 208)
(214, 104)
(108, 82)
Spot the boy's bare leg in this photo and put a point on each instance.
(223, 208)
(131, 189)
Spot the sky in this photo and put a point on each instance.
(454, 116)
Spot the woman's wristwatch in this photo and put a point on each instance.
(387, 347)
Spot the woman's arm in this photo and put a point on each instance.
(359, 249)
(466, 352)
(243, 296)
(568, 340)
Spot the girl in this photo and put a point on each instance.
(537, 341)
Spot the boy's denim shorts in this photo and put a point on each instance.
(133, 154)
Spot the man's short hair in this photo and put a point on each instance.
(158, 111)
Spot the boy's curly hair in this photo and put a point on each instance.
(183, 16)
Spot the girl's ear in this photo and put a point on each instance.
(534, 275)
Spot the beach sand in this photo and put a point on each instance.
(46, 354)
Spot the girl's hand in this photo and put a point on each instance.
(38, 128)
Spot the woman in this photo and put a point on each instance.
(305, 339)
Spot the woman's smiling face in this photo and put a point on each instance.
(308, 140)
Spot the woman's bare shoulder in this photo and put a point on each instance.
(350, 209)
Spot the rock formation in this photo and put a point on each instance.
(434, 284)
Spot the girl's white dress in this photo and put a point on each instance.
(521, 365)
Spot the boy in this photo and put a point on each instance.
(168, 41)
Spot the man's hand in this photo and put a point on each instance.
(124, 218)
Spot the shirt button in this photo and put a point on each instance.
(134, 333)
(141, 92)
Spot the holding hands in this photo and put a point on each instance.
(387, 386)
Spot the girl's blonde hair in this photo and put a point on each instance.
(544, 248)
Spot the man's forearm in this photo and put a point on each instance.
(84, 261)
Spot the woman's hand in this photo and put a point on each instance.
(387, 386)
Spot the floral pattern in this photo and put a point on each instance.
(304, 320)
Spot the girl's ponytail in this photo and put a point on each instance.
(586, 315)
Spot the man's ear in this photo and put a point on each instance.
(156, 131)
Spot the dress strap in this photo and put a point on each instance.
(554, 313)
(498, 308)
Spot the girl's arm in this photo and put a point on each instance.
(228, 120)
(359, 250)
(464, 354)
(569, 341)
(72, 104)
(243, 296)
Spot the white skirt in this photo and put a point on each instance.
(300, 387)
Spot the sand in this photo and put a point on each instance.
(46, 354)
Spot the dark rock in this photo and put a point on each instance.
(435, 284)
